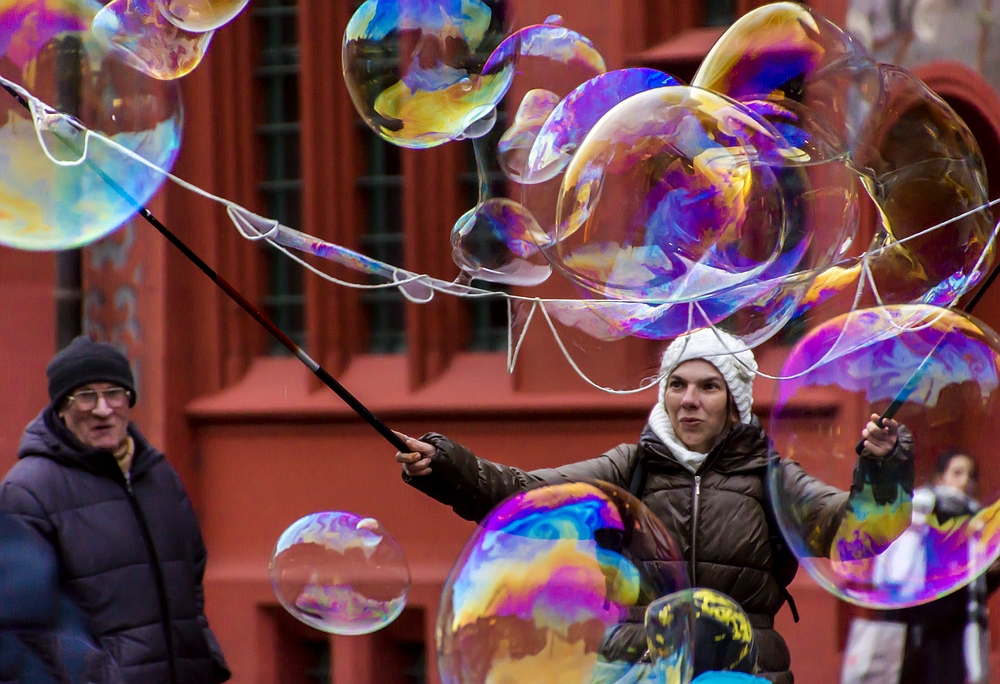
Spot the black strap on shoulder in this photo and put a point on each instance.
(638, 482)
(783, 561)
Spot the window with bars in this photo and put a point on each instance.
(487, 315)
(719, 12)
(381, 189)
(278, 132)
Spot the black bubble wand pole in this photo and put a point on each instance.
(243, 302)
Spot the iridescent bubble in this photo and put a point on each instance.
(924, 171)
(694, 210)
(199, 16)
(860, 532)
(672, 195)
(721, 636)
(551, 41)
(480, 127)
(416, 69)
(142, 37)
(340, 573)
(542, 590)
(923, 168)
(568, 124)
(516, 142)
(495, 241)
(61, 199)
(785, 51)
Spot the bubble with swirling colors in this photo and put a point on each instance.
(672, 195)
(495, 241)
(926, 175)
(142, 37)
(340, 573)
(60, 187)
(415, 69)
(911, 152)
(881, 532)
(547, 577)
(786, 53)
(721, 637)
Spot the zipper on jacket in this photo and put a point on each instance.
(161, 587)
(695, 496)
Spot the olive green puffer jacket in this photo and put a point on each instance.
(717, 515)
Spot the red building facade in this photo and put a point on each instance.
(257, 439)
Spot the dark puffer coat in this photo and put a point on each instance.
(717, 515)
(131, 555)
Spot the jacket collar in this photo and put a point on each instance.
(745, 448)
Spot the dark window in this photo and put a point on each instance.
(279, 134)
(381, 190)
(487, 315)
(719, 12)
(302, 654)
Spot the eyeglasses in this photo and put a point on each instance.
(86, 400)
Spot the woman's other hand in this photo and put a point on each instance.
(879, 441)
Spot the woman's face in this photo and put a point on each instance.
(960, 475)
(697, 403)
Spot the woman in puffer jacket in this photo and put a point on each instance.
(704, 459)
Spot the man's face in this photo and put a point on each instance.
(697, 403)
(100, 426)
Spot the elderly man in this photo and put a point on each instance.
(131, 555)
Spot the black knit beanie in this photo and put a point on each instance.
(84, 361)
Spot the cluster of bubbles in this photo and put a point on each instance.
(340, 573)
(731, 201)
(735, 202)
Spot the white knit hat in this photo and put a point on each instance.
(722, 350)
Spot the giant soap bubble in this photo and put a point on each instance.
(58, 195)
(924, 169)
(862, 535)
(671, 195)
(414, 68)
(544, 589)
(679, 195)
(340, 573)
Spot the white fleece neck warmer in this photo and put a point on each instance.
(659, 421)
